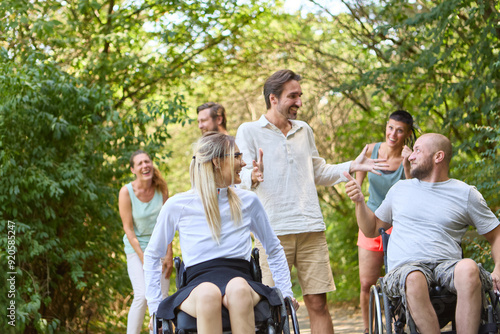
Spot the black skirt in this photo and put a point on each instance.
(219, 272)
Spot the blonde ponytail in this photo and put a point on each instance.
(213, 146)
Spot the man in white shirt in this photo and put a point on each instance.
(293, 168)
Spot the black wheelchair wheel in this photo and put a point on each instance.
(388, 314)
(492, 316)
(376, 325)
(293, 315)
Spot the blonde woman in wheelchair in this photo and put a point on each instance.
(215, 221)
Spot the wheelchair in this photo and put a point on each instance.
(388, 316)
(268, 319)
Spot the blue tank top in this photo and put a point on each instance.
(144, 216)
(379, 185)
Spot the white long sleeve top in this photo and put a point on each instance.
(184, 213)
(292, 169)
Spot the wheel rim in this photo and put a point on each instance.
(376, 326)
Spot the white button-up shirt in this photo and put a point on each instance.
(292, 169)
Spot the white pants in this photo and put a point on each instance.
(139, 304)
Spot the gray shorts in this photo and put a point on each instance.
(440, 273)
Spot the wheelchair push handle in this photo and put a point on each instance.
(385, 242)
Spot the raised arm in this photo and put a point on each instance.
(366, 164)
(361, 175)
(406, 163)
(253, 173)
(367, 221)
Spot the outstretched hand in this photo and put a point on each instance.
(258, 170)
(353, 189)
(365, 164)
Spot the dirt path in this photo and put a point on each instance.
(346, 320)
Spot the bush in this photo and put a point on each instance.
(62, 148)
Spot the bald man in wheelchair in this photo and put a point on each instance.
(429, 214)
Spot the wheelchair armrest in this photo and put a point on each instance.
(180, 277)
(255, 266)
(255, 254)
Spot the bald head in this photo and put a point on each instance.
(437, 142)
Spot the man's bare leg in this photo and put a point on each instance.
(419, 304)
(319, 315)
(468, 285)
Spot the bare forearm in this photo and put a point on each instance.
(366, 220)
(495, 254)
(407, 169)
(134, 242)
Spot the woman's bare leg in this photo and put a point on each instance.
(240, 300)
(205, 304)
(370, 264)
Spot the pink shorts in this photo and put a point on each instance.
(371, 244)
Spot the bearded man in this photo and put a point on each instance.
(429, 214)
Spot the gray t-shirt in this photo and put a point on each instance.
(430, 219)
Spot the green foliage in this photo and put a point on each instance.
(438, 60)
(139, 48)
(341, 234)
(62, 147)
(445, 55)
(84, 83)
(53, 139)
(477, 247)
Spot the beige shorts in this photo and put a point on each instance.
(308, 252)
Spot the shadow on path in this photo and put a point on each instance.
(346, 320)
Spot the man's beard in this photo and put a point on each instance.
(423, 170)
(286, 112)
